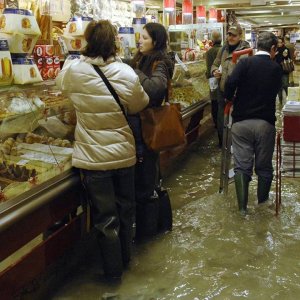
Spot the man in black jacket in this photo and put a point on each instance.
(255, 81)
(222, 68)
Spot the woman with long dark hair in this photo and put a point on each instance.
(282, 54)
(154, 66)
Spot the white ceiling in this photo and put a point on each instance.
(258, 13)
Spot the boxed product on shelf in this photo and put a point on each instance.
(74, 43)
(43, 50)
(19, 42)
(18, 21)
(6, 72)
(77, 25)
(47, 63)
(25, 71)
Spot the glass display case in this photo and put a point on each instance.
(36, 133)
(190, 42)
(193, 40)
(189, 83)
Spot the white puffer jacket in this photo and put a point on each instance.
(103, 139)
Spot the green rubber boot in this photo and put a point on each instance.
(263, 189)
(241, 187)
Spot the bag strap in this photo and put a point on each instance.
(111, 89)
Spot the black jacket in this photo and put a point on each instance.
(256, 80)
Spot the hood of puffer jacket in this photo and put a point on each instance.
(99, 60)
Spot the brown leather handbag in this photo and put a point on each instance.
(162, 127)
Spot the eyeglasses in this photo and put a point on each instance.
(231, 34)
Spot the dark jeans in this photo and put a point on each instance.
(214, 111)
(220, 119)
(111, 197)
(214, 105)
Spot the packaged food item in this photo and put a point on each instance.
(77, 25)
(45, 66)
(127, 37)
(63, 46)
(75, 43)
(56, 65)
(20, 43)
(25, 71)
(18, 21)
(43, 50)
(6, 72)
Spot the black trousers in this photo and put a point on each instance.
(147, 178)
(111, 197)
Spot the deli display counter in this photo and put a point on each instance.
(38, 187)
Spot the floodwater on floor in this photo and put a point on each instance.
(213, 252)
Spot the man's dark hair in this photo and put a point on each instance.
(266, 40)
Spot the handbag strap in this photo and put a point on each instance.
(111, 89)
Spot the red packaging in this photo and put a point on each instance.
(43, 50)
(45, 65)
(56, 65)
(40, 63)
(291, 128)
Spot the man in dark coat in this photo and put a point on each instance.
(223, 66)
(211, 54)
(255, 81)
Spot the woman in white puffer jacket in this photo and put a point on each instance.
(104, 146)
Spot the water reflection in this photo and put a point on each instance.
(212, 252)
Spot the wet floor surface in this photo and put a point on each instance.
(213, 252)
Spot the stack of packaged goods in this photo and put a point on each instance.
(73, 36)
(20, 29)
(48, 64)
(291, 138)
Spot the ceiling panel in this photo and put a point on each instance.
(279, 13)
